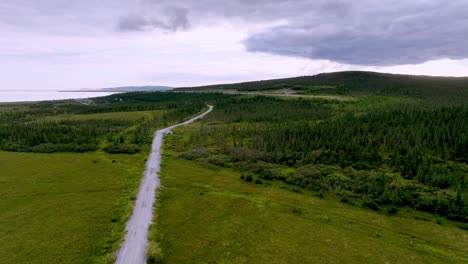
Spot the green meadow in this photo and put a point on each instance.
(66, 207)
(352, 167)
(128, 116)
(207, 214)
(69, 205)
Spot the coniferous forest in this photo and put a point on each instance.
(70, 126)
(385, 150)
(407, 157)
(233, 132)
(390, 149)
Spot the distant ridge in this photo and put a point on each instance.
(360, 82)
(137, 88)
(125, 89)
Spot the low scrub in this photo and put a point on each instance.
(120, 148)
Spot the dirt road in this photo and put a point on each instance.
(134, 249)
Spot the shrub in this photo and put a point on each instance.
(392, 210)
(219, 160)
(154, 253)
(258, 181)
(249, 178)
(195, 154)
(344, 199)
(296, 190)
(370, 204)
(297, 210)
(118, 148)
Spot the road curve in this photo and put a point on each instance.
(134, 249)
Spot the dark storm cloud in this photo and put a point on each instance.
(403, 35)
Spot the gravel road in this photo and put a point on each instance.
(134, 249)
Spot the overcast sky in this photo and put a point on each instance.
(56, 44)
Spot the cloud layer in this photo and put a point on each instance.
(175, 19)
(367, 32)
(87, 43)
(406, 34)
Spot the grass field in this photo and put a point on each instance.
(65, 208)
(133, 115)
(73, 207)
(206, 214)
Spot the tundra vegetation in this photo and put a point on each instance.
(402, 143)
(264, 179)
(69, 173)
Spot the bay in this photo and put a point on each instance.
(42, 95)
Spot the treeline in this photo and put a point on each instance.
(413, 156)
(295, 133)
(27, 128)
(63, 136)
(121, 102)
(407, 140)
(267, 109)
(374, 188)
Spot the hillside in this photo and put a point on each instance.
(261, 179)
(357, 82)
(137, 89)
(264, 179)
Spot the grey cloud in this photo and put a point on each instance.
(366, 32)
(363, 48)
(174, 15)
(58, 17)
(176, 20)
(248, 10)
(172, 19)
(401, 34)
(179, 19)
(132, 23)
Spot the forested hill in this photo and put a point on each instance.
(358, 82)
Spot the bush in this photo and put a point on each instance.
(297, 210)
(248, 178)
(344, 199)
(118, 148)
(392, 210)
(219, 160)
(195, 154)
(258, 181)
(264, 170)
(370, 204)
(154, 253)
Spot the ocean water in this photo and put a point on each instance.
(41, 95)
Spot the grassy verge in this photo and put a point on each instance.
(206, 214)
